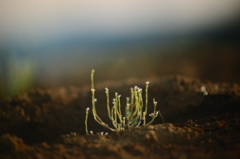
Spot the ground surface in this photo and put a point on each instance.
(50, 123)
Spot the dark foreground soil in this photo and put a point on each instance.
(50, 123)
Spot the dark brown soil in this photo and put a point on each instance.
(50, 123)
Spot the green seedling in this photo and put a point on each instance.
(135, 109)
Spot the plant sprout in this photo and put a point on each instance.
(135, 109)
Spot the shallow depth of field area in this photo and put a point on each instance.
(189, 52)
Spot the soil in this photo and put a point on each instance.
(49, 123)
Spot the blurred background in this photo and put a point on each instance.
(51, 43)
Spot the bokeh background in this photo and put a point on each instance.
(52, 43)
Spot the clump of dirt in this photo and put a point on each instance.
(9, 143)
(49, 123)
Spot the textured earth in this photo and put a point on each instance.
(49, 123)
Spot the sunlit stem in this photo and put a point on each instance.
(95, 116)
(140, 101)
(124, 122)
(144, 118)
(93, 94)
(153, 118)
(92, 79)
(108, 107)
(146, 103)
(119, 105)
(115, 124)
(115, 114)
(155, 113)
(155, 105)
(127, 109)
(136, 103)
(132, 99)
(134, 122)
(86, 120)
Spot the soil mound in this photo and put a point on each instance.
(201, 120)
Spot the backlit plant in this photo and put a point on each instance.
(135, 109)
